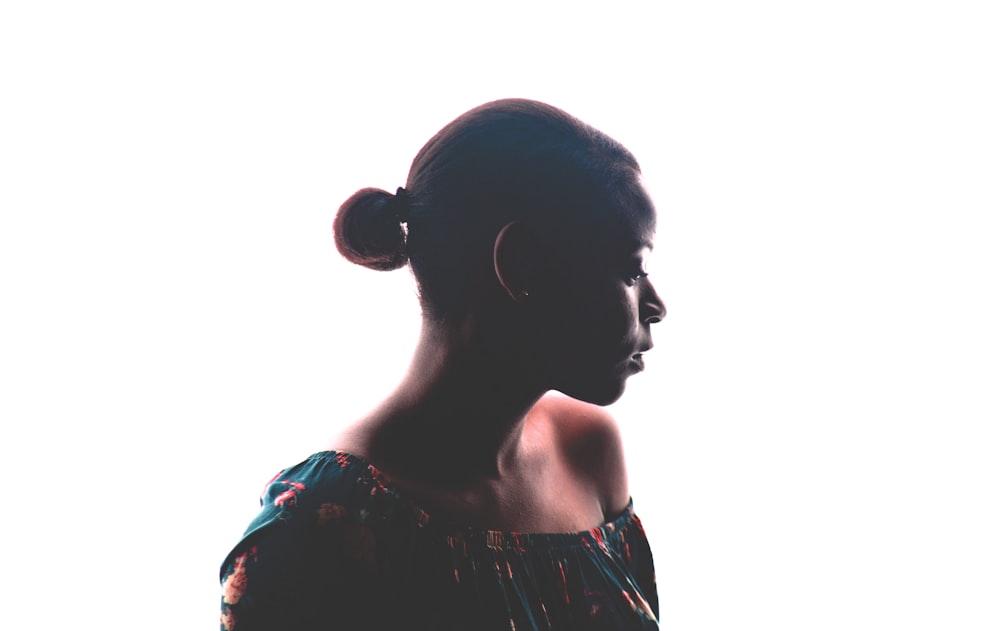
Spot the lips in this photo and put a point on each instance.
(637, 362)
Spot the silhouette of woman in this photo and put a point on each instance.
(471, 498)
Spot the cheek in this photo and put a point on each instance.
(600, 322)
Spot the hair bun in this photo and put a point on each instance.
(368, 229)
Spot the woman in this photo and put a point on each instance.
(470, 498)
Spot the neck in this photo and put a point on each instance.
(460, 411)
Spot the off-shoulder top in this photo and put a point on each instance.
(336, 546)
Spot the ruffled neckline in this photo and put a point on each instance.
(491, 538)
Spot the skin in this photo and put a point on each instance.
(471, 433)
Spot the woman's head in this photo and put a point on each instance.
(533, 227)
(509, 160)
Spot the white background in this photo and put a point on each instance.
(813, 444)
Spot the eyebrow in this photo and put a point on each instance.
(637, 244)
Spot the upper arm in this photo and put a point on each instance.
(264, 581)
(592, 445)
(298, 580)
(293, 569)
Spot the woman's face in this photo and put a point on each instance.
(598, 305)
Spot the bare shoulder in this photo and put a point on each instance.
(591, 443)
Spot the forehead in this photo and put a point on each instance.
(617, 220)
(631, 220)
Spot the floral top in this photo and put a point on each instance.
(337, 547)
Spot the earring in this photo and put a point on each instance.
(522, 294)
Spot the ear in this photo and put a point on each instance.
(515, 259)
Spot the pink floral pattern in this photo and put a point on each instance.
(337, 546)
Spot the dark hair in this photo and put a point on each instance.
(508, 160)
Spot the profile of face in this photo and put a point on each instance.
(561, 209)
(597, 305)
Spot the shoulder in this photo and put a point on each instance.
(321, 477)
(306, 557)
(590, 441)
(300, 497)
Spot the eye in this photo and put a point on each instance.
(632, 280)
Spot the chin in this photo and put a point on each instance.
(601, 394)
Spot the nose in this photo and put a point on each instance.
(651, 307)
